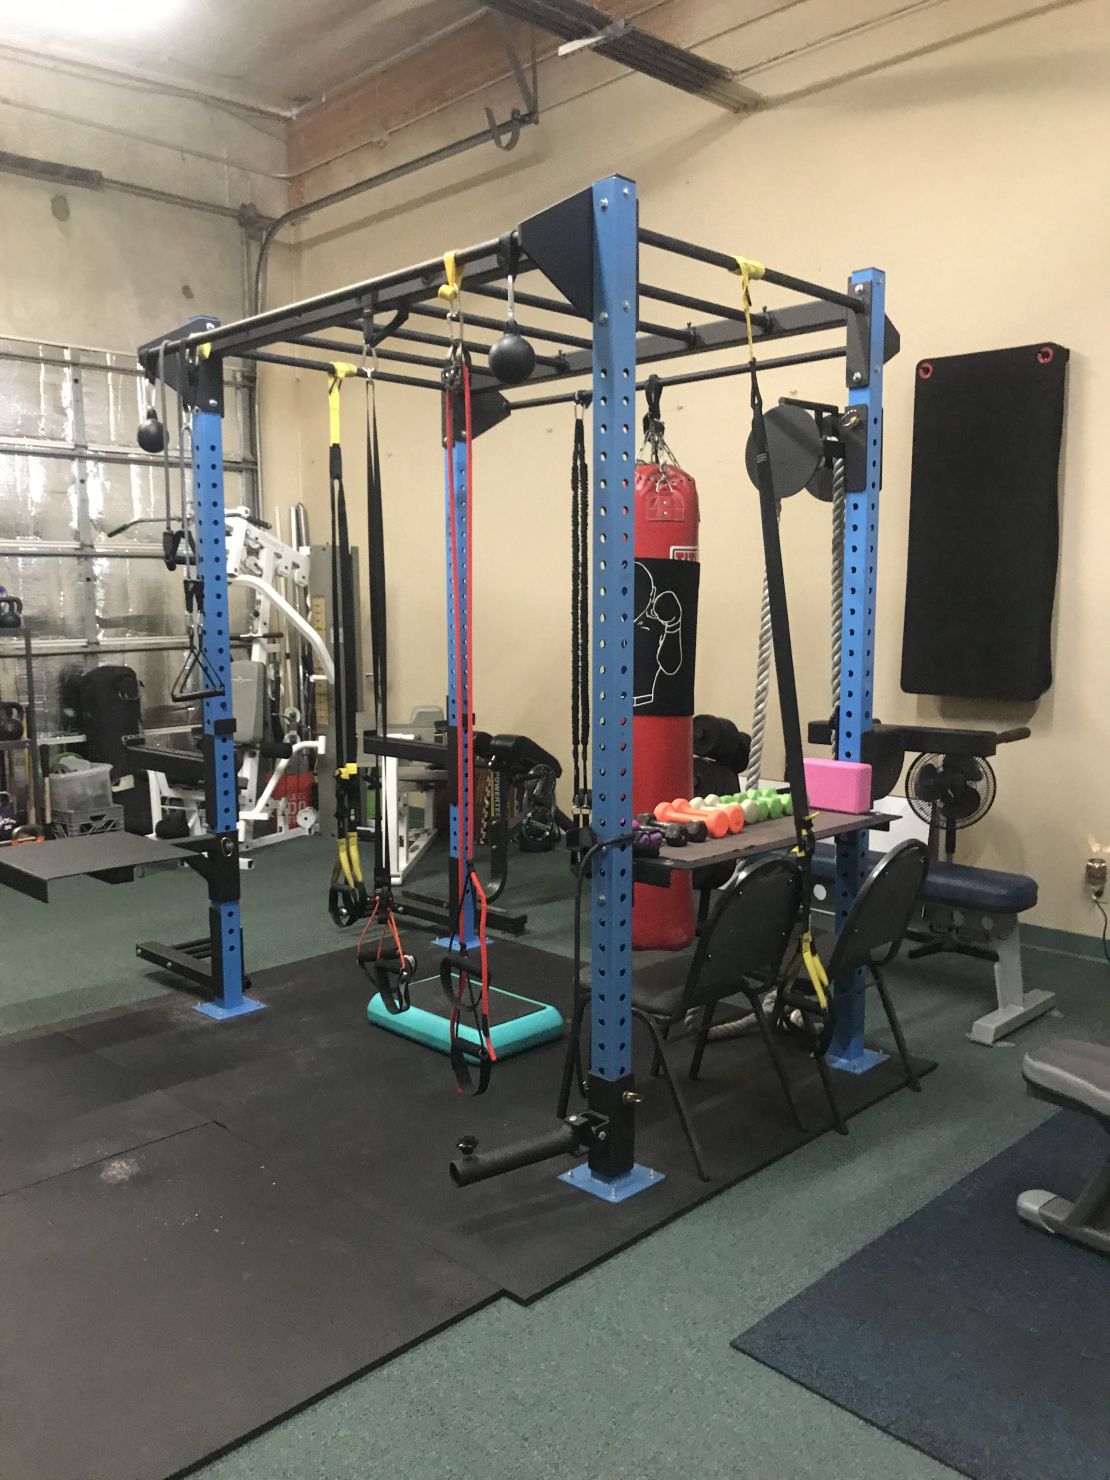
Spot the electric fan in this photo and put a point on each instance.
(953, 791)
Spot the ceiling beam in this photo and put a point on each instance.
(612, 35)
(472, 58)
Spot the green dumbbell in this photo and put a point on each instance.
(787, 805)
(774, 807)
(764, 808)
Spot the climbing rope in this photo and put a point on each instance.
(762, 688)
(837, 577)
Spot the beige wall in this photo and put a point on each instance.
(121, 266)
(975, 174)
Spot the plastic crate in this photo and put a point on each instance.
(83, 822)
(89, 789)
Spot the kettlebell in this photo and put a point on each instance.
(11, 608)
(151, 434)
(11, 721)
(512, 359)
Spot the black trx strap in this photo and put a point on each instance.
(791, 720)
(375, 539)
(459, 994)
(580, 617)
(347, 899)
(820, 1002)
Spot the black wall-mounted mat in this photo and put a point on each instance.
(964, 1332)
(208, 1225)
(983, 539)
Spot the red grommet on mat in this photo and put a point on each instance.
(1045, 355)
(925, 370)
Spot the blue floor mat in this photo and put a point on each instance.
(979, 1340)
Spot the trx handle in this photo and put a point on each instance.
(464, 1054)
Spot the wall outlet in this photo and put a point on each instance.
(1095, 875)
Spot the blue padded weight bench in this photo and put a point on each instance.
(973, 911)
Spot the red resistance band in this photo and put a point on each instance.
(384, 958)
(468, 881)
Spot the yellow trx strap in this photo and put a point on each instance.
(449, 290)
(340, 371)
(748, 269)
(815, 970)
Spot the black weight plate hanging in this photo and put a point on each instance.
(730, 742)
(740, 756)
(713, 778)
(707, 734)
(794, 446)
(821, 484)
(887, 757)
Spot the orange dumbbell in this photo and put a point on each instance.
(716, 823)
(732, 811)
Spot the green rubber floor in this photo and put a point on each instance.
(626, 1372)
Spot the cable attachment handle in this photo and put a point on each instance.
(197, 679)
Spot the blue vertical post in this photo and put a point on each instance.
(612, 1172)
(857, 625)
(221, 785)
(460, 931)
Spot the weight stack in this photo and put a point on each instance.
(667, 575)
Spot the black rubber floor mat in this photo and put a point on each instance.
(376, 1117)
(165, 1303)
(62, 1106)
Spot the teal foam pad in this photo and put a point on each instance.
(517, 1022)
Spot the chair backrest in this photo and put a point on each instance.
(745, 937)
(882, 910)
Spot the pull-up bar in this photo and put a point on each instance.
(477, 321)
(299, 362)
(687, 336)
(781, 362)
(400, 288)
(722, 259)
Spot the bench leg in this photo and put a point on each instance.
(1016, 1006)
(1085, 1221)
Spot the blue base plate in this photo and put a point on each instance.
(451, 943)
(612, 1189)
(221, 1013)
(861, 1062)
(517, 1029)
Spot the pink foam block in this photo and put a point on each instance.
(838, 786)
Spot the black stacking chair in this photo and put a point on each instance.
(740, 951)
(871, 938)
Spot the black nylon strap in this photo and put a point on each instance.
(783, 648)
(345, 902)
(464, 1054)
(375, 539)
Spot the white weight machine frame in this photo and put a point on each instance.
(258, 560)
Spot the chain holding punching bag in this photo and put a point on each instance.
(666, 605)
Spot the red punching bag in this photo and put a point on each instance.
(666, 604)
